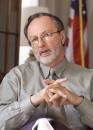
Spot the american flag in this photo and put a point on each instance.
(77, 47)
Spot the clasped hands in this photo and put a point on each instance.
(55, 94)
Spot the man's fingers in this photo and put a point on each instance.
(60, 93)
(48, 81)
(63, 101)
(60, 81)
(50, 94)
(54, 97)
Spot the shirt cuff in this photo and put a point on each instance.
(84, 106)
(26, 106)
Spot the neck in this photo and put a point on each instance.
(56, 62)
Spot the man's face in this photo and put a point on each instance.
(46, 41)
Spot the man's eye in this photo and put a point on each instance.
(47, 35)
(33, 40)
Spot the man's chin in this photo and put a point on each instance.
(46, 61)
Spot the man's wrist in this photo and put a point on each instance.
(79, 101)
(35, 100)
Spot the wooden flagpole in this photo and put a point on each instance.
(81, 34)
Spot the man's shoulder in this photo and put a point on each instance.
(78, 69)
(27, 67)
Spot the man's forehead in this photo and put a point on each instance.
(43, 21)
(41, 18)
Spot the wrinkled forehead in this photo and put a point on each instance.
(43, 18)
(42, 23)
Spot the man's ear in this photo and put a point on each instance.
(63, 37)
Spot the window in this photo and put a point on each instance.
(29, 3)
(24, 49)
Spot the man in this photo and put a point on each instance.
(49, 86)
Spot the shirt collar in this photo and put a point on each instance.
(44, 70)
(59, 69)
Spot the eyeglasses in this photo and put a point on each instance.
(45, 37)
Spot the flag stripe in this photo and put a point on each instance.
(77, 49)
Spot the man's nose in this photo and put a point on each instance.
(41, 42)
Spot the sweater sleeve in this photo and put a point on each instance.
(86, 108)
(13, 112)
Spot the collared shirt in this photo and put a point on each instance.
(59, 69)
(25, 80)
